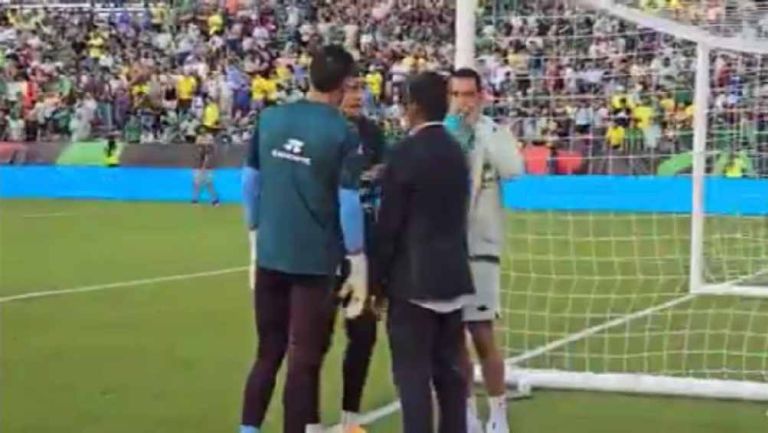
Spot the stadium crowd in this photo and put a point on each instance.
(566, 81)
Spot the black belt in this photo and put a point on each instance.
(485, 258)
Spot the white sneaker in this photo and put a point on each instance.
(314, 428)
(473, 424)
(497, 426)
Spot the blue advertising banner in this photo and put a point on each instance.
(642, 194)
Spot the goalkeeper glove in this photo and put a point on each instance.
(252, 265)
(354, 290)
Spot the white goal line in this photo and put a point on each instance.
(737, 287)
(638, 383)
(635, 383)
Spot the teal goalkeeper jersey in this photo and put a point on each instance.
(301, 150)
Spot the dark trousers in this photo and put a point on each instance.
(292, 313)
(361, 337)
(426, 349)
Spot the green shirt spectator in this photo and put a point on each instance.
(683, 95)
(685, 138)
(133, 130)
(634, 138)
(725, 137)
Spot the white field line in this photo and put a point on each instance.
(365, 419)
(386, 410)
(49, 215)
(119, 284)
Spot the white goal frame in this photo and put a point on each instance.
(525, 379)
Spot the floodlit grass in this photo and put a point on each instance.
(172, 355)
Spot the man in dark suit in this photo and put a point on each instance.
(421, 261)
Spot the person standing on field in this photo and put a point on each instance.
(361, 171)
(493, 156)
(292, 194)
(421, 261)
(204, 166)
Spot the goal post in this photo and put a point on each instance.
(699, 169)
(465, 33)
(624, 278)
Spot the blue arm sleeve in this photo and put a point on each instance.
(250, 186)
(351, 214)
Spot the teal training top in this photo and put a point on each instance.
(302, 147)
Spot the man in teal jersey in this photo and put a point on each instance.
(305, 220)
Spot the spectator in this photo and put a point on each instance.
(211, 114)
(615, 135)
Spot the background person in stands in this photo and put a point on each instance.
(15, 128)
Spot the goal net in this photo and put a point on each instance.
(640, 263)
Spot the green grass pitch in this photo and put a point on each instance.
(171, 356)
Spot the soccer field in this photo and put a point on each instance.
(156, 334)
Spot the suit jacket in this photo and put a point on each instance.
(421, 248)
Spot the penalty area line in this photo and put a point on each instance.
(119, 284)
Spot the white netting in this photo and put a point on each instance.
(589, 92)
(742, 19)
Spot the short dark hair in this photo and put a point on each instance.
(330, 66)
(429, 91)
(469, 73)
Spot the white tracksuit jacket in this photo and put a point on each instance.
(496, 157)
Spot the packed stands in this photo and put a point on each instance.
(594, 92)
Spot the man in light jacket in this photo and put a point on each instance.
(494, 156)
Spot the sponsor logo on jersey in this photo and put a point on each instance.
(293, 150)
